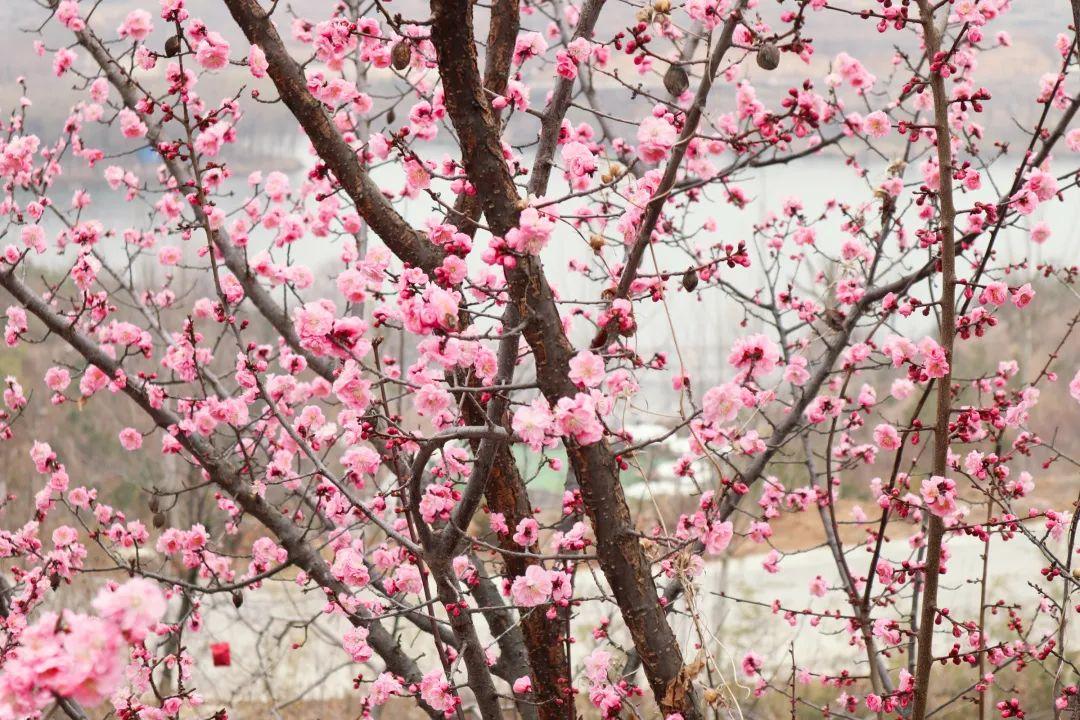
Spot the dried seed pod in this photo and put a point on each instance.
(172, 46)
(834, 319)
(768, 56)
(596, 242)
(154, 503)
(690, 280)
(676, 80)
(237, 599)
(400, 55)
(391, 116)
(159, 520)
(662, 6)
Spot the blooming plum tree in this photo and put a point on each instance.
(503, 237)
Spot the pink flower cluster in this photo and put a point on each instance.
(78, 656)
(538, 586)
(939, 495)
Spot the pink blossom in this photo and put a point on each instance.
(887, 437)
(68, 655)
(795, 371)
(212, 52)
(169, 254)
(576, 418)
(57, 379)
(1042, 183)
(755, 355)
(276, 186)
(527, 532)
(597, 664)
(565, 65)
(1074, 387)
(355, 644)
(137, 25)
(437, 502)
(898, 349)
(437, 692)
(1025, 202)
(416, 176)
(534, 423)
(351, 388)
(718, 537)
(33, 236)
(655, 137)
(527, 45)
(708, 12)
(383, 688)
(532, 588)
(939, 494)
(67, 12)
(876, 124)
(135, 607)
(257, 63)
(587, 369)
(532, 233)
(1040, 232)
(349, 567)
(995, 293)
(17, 154)
(577, 160)
(721, 404)
(852, 72)
(1072, 139)
(752, 664)
(130, 124)
(498, 524)
(62, 61)
(432, 401)
(16, 325)
(822, 408)
(131, 439)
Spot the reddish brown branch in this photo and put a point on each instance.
(621, 556)
(947, 333)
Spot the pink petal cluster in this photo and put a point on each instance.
(77, 656)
